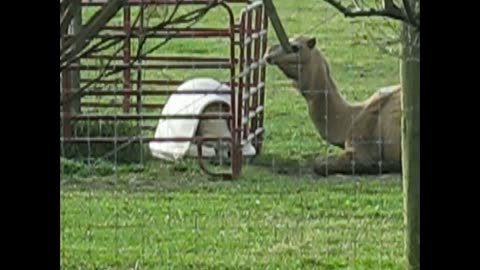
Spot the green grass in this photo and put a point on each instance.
(259, 223)
(172, 216)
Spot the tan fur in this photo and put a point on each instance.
(368, 131)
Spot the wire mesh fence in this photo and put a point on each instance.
(122, 207)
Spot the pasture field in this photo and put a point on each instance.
(172, 216)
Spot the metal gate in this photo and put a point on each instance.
(245, 75)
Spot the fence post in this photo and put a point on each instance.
(277, 25)
(75, 104)
(410, 79)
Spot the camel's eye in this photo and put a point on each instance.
(295, 48)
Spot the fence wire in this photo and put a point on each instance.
(121, 208)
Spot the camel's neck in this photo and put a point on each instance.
(330, 112)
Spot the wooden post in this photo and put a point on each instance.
(75, 104)
(410, 79)
(277, 25)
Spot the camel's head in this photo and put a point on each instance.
(292, 64)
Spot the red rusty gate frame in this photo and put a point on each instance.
(247, 110)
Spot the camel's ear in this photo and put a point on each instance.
(311, 43)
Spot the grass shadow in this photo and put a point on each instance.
(283, 165)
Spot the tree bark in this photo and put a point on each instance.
(410, 79)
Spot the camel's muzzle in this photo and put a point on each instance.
(268, 59)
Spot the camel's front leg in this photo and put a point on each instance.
(340, 164)
(348, 162)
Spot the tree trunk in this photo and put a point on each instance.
(75, 104)
(410, 79)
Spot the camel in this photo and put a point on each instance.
(369, 132)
